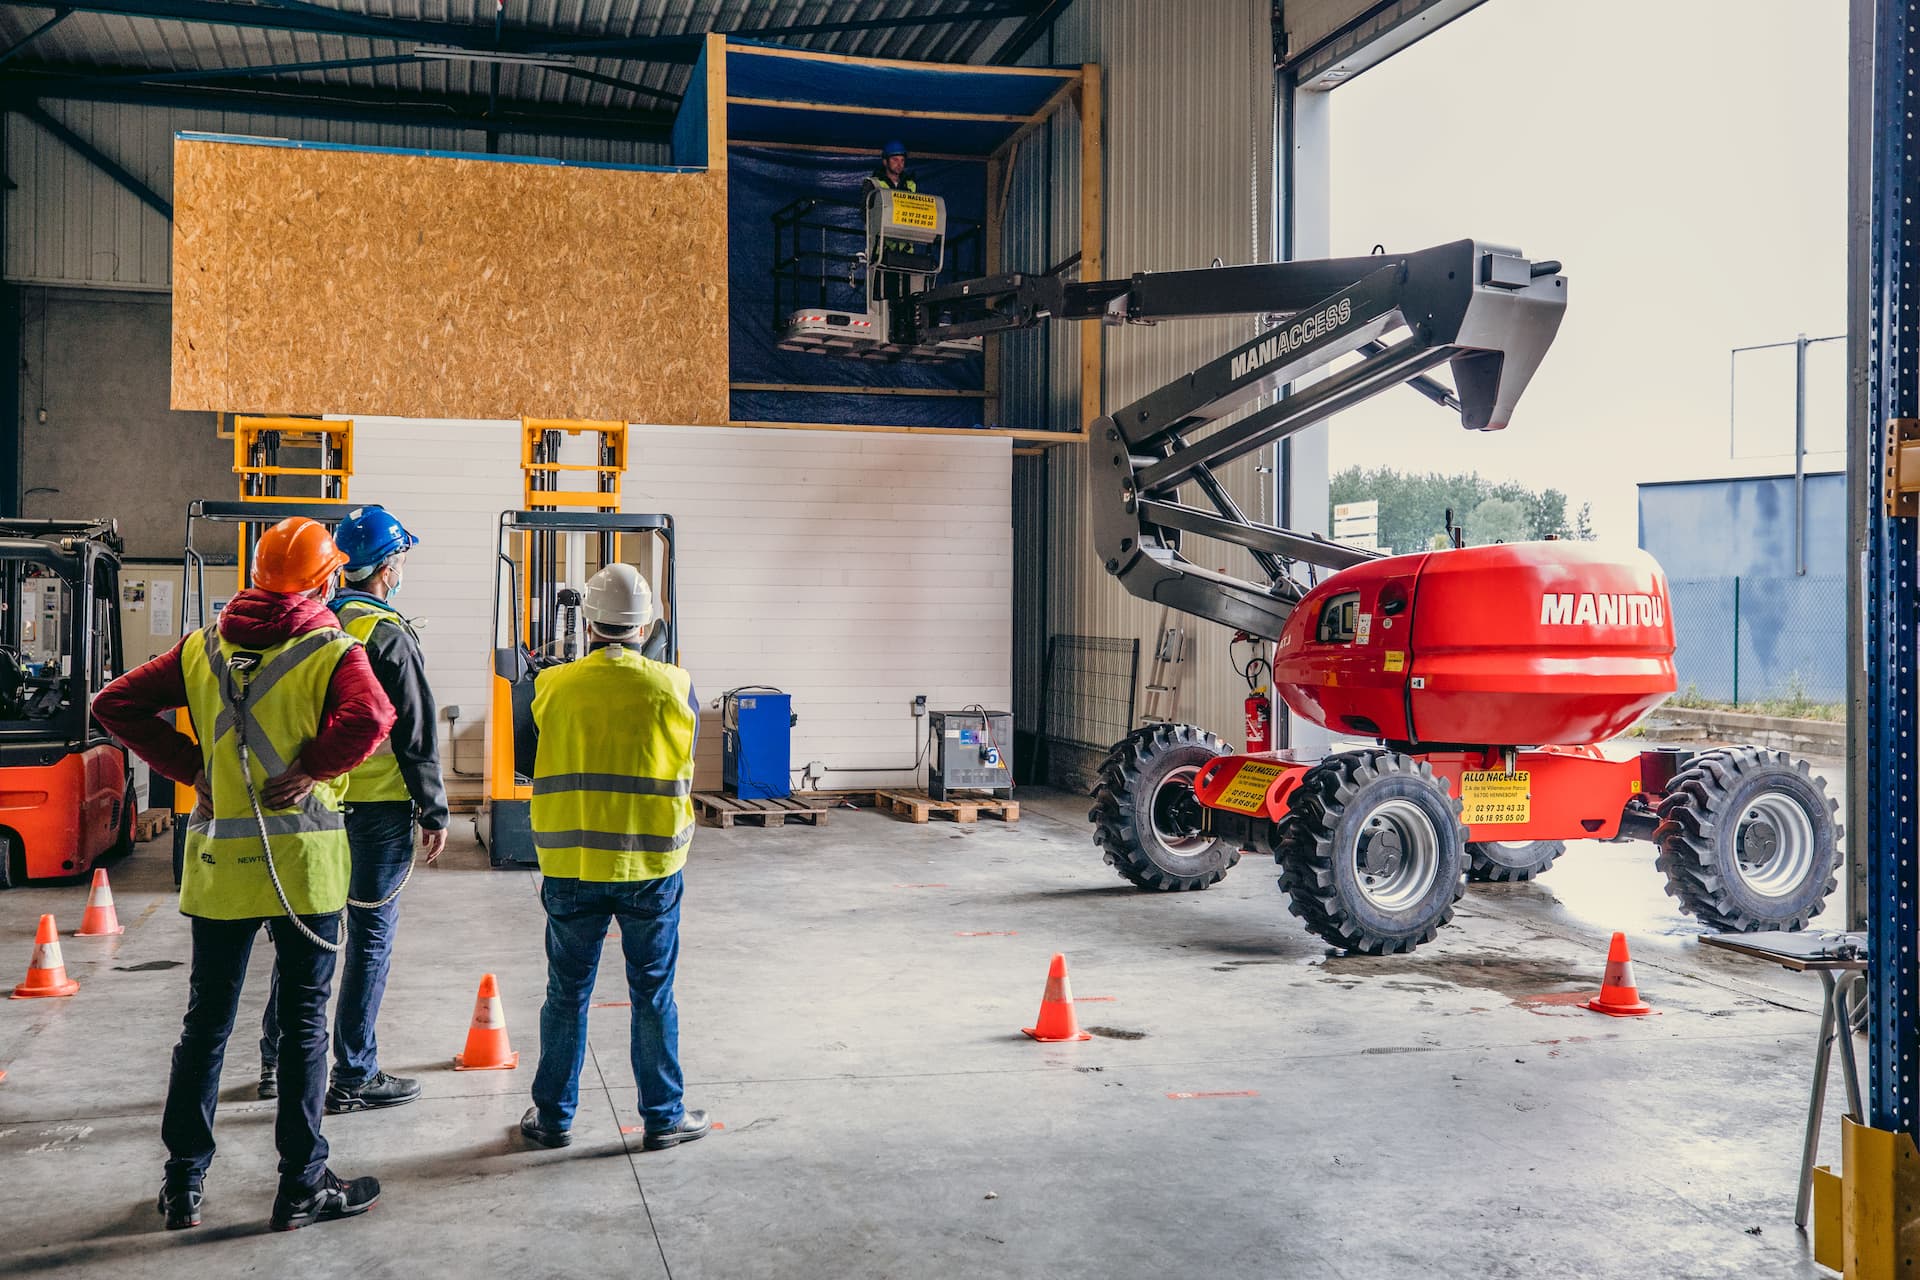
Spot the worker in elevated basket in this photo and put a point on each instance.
(283, 704)
(612, 819)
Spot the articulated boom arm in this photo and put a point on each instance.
(1487, 312)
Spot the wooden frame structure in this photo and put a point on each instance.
(1081, 91)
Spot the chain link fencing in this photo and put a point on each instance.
(1751, 639)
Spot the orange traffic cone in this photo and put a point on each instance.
(1056, 1008)
(100, 919)
(46, 972)
(1619, 997)
(487, 1048)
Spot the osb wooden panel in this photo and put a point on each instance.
(314, 281)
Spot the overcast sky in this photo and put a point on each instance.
(1686, 161)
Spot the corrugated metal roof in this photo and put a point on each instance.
(91, 42)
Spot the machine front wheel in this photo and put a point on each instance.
(1372, 852)
(1146, 816)
(1493, 861)
(1748, 840)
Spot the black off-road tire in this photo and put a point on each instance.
(1506, 861)
(1140, 811)
(1334, 818)
(1727, 818)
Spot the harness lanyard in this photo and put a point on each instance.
(233, 692)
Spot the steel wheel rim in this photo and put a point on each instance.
(1413, 872)
(1165, 796)
(1783, 819)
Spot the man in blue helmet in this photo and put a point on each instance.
(398, 784)
(892, 174)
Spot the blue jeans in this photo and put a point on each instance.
(578, 913)
(381, 836)
(220, 951)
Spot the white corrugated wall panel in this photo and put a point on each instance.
(1188, 148)
(854, 570)
(69, 224)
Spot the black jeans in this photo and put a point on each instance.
(220, 952)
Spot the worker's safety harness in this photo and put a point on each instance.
(237, 681)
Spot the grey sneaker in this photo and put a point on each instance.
(331, 1199)
(693, 1125)
(381, 1091)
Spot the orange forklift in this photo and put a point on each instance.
(66, 788)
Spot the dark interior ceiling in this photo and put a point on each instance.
(564, 68)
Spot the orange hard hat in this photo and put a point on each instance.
(295, 556)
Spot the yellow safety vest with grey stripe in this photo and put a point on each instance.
(378, 777)
(275, 695)
(613, 778)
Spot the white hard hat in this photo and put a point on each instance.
(618, 598)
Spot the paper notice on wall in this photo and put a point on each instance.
(160, 615)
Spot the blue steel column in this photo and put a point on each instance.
(1893, 587)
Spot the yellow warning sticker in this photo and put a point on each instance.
(1396, 660)
(1495, 798)
(1247, 793)
(914, 211)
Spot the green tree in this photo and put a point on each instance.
(1413, 507)
(1499, 520)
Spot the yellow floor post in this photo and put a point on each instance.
(1880, 1203)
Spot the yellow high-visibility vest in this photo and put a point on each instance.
(613, 778)
(275, 694)
(378, 777)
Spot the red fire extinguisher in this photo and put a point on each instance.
(1259, 705)
(1259, 721)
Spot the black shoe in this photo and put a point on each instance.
(533, 1131)
(692, 1126)
(269, 1080)
(381, 1091)
(180, 1204)
(331, 1199)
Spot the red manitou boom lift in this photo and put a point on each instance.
(1484, 675)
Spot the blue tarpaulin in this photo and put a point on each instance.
(760, 182)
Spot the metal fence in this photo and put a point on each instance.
(1761, 639)
(1088, 689)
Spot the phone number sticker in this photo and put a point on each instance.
(1247, 793)
(1495, 798)
(914, 211)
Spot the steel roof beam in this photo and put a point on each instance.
(19, 91)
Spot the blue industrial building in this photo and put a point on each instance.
(1749, 624)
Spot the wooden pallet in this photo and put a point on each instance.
(918, 806)
(150, 823)
(725, 811)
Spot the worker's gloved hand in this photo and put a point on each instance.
(289, 789)
(202, 796)
(433, 842)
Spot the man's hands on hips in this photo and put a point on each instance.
(433, 842)
(289, 789)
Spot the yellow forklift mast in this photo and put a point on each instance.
(545, 555)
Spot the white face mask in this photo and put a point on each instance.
(393, 585)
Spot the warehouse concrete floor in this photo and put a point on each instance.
(851, 1001)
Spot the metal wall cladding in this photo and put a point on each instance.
(70, 224)
(1189, 179)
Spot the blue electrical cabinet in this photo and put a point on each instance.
(756, 736)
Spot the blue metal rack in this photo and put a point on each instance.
(1893, 586)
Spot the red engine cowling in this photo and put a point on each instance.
(1522, 644)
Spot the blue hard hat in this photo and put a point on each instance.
(895, 148)
(369, 535)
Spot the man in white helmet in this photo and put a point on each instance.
(612, 819)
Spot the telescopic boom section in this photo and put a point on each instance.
(1488, 312)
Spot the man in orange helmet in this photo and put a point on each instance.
(284, 704)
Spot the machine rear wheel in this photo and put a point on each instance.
(1748, 840)
(1372, 852)
(1146, 816)
(1493, 861)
